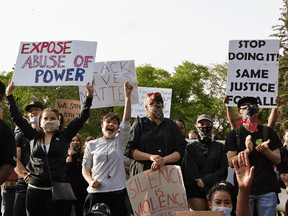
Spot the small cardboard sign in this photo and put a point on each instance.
(68, 108)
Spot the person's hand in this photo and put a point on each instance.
(249, 143)
(284, 177)
(244, 173)
(95, 184)
(278, 101)
(264, 146)
(199, 183)
(128, 88)
(26, 178)
(90, 89)
(287, 190)
(10, 88)
(225, 100)
(158, 162)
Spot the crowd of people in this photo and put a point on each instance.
(43, 150)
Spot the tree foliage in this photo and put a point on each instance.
(281, 33)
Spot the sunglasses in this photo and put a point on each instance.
(156, 94)
(248, 105)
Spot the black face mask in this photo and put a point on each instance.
(76, 146)
(251, 111)
(205, 134)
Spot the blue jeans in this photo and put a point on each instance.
(8, 196)
(265, 204)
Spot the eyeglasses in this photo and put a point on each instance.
(156, 94)
(205, 151)
(35, 109)
(248, 105)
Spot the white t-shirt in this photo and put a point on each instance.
(105, 160)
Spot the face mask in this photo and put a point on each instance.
(156, 110)
(204, 134)
(108, 136)
(50, 125)
(33, 120)
(76, 146)
(227, 211)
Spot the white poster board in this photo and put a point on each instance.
(157, 193)
(139, 109)
(109, 78)
(253, 71)
(55, 63)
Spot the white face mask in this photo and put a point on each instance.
(108, 136)
(50, 125)
(34, 120)
(227, 211)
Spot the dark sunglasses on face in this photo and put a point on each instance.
(248, 105)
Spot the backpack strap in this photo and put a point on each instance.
(238, 138)
(265, 133)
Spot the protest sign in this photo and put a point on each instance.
(139, 109)
(157, 193)
(68, 108)
(55, 63)
(109, 78)
(198, 213)
(253, 71)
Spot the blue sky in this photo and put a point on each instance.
(162, 33)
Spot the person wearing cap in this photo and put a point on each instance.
(204, 164)
(261, 144)
(33, 111)
(99, 209)
(154, 140)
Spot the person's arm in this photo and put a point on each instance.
(72, 129)
(87, 176)
(20, 169)
(5, 172)
(273, 156)
(232, 155)
(244, 175)
(272, 118)
(230, 114)
(127, 110)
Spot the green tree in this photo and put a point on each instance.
(281, 33)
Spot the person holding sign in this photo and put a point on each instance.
(204, 164)
(48, 144)
(262, 144)
(154, 140)
(103, 162)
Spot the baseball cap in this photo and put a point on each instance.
(99, 208)
(204, 117)
(2, 90)
(243, 100)
(34, 103)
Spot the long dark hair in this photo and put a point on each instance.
(227, 187)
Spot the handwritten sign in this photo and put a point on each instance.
(55, 63)
(68, 108)
(198, 213)
(109, 78)
(157, 193)
(253, 71)
(139, 109)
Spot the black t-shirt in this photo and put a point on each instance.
(265, 180)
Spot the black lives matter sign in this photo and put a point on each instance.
(253, 71)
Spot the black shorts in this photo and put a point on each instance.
(193, 191)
